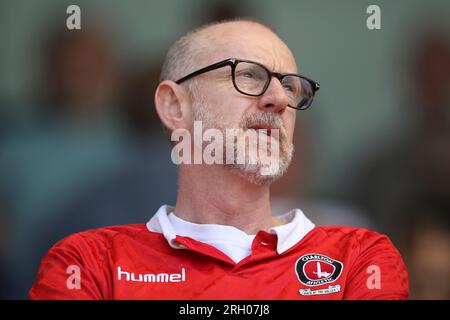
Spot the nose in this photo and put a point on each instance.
(275, 98)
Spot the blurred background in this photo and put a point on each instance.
(81, 146)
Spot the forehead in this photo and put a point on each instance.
(246, 40)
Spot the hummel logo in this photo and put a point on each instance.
(151, 277)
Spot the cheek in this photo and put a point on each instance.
(227, 110)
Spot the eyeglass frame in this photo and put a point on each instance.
(233, 62)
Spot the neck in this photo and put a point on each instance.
(216, 195)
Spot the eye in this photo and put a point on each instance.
(248, 74)
(291, 85)
(288, 87)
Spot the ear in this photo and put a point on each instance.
(173, 105)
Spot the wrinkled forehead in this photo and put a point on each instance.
(245, 40)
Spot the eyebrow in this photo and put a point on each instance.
(271, 66)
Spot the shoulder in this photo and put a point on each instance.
(360, 243)
(369, 255)
(101, 236)
(363, 247)
(89, 256)
(98, 243)
(106, 233)
(360, 236)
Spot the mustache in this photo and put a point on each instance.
(265, 119)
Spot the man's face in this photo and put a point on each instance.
(220, 106)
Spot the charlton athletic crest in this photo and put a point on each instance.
(316, 269)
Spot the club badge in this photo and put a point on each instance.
(316, 269)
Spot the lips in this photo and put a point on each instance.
(265, 129)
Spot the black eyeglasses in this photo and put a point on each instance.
(252, 79)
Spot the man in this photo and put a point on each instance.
(221, 240)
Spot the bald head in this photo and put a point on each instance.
(213, 42)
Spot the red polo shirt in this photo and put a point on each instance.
(171, 259)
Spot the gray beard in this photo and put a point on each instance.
(251, 170)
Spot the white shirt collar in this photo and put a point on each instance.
(230, 240)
